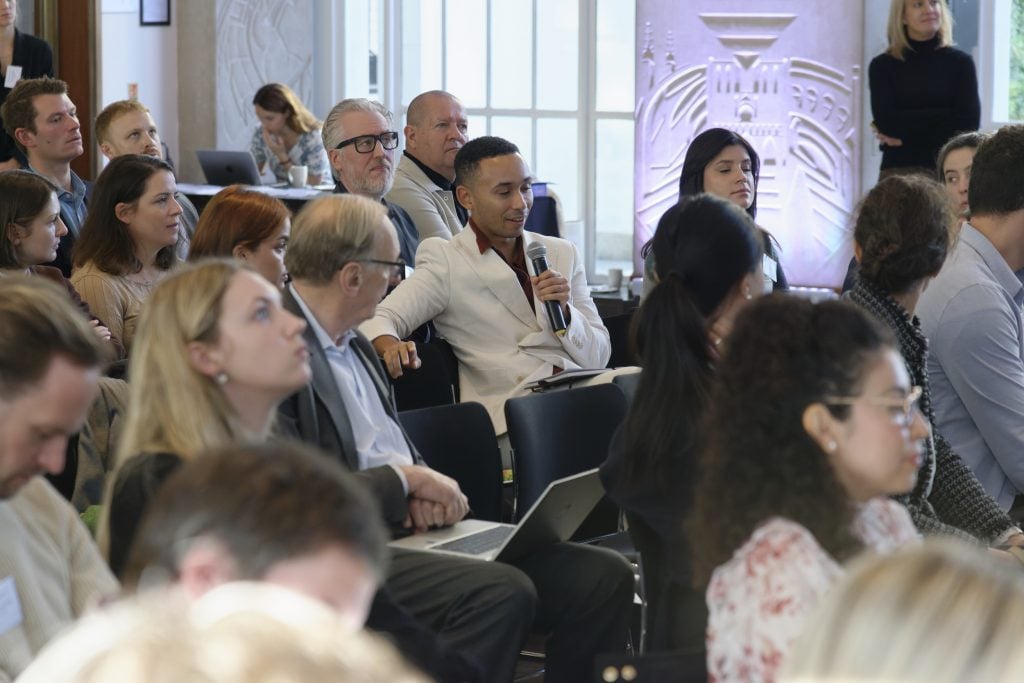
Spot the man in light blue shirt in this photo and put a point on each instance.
(971, 314)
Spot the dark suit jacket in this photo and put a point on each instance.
(316, 414)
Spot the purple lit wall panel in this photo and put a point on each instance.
(787, 75)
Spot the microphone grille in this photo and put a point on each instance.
(536, 250)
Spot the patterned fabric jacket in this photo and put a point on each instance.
(948, 499)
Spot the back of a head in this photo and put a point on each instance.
(784, 354)
(23, 196)
(995, 188)
(904, 227)
(703, 249)
(330, 232)
(39, 323)
(236, 217)
(295, 502)
(172, 407)
(237, 633)
(706, 147)
(939, 612)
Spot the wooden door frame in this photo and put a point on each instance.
(74, 42)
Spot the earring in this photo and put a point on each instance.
(221, 378)
(747, 295)
(831, 445)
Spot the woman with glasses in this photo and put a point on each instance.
(247, 225)
(812, 425)
(288, 135)
(903, 231)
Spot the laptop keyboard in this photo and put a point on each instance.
(478, 543)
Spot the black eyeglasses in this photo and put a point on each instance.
(365, 143)
(398, 267)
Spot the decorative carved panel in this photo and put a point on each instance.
(259, 42)
(788, 78)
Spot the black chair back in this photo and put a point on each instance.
(560, 433)
(458, 440)
(628, 383)
(434, 383)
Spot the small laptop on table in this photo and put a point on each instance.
(555, 516)
(228, 167)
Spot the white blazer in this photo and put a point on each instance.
(431, 208)
(476, 304)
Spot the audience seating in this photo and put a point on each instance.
(458, 440)
(628, 384)
(434, 383)
(556, 434)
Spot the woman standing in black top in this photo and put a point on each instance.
(27, 54)
(923, 91)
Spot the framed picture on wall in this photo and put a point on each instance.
(155, 12)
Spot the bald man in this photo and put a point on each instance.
(436, 129)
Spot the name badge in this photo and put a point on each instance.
(770, 268)
(13, 76)
(10, 606)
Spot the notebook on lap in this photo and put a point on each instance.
(228, 167)
(555, 516)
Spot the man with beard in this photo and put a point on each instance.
(436, 129)
(361, 147)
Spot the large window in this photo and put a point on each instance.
(1001, 61)
(1016, 89)
(553, 76)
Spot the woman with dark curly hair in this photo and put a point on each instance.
(903, 232)
(811, 426)
(708, 255)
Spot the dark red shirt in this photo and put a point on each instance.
(517, 264)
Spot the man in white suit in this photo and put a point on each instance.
(436, 129)
(484, 297)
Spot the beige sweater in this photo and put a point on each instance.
(114, 299)
(56, 568)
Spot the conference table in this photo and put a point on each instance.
(293, 197)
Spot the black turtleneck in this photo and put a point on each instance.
(923, 100)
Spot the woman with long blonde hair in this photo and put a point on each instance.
(215, 354)
(934, 613)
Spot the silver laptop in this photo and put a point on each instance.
(228, 167)
(555, 516)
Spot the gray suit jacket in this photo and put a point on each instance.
(316, 414)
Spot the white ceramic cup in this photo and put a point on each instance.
(614, 278)
(298, 175)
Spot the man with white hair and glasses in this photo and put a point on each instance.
(361, 147)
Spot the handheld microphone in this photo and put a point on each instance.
(538, 255)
